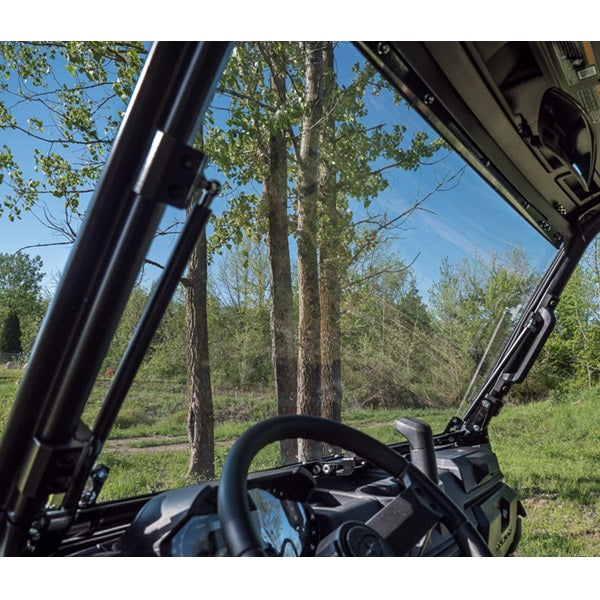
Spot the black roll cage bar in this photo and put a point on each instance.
(46, 449)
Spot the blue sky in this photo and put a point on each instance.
(469, 218)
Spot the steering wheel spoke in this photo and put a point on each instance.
(404, 521)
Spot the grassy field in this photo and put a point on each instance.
(548, 451)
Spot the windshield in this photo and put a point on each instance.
(354, 268)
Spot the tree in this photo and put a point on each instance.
(309, 350)
(10, 335)
(20, 282)
(283, 343)
(254, 146)
(331, 253)
(573, 350)
(469, 301)
(69, 97)
(200, 413)
(239, 331)
(386, 330)
(264, 90)
(20, 294)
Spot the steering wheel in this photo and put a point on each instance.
(234, 509)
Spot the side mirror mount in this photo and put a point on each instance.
(565, 129)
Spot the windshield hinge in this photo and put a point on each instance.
(93, 487)
(172, 171)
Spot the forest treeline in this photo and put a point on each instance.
(397, 351)
(297, 286)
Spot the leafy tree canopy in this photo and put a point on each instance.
(68, 99)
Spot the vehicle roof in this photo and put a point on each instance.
(484, 98)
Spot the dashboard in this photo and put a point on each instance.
(294, 508)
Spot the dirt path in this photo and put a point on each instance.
(149, 444)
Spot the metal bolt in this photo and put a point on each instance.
(428, 98)
(545, 225)
(188, 163)
(383, 48)
(476, 428)
(485, 403)
(560, 208)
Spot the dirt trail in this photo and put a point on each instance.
(135, 445)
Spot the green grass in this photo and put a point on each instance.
(548, 451)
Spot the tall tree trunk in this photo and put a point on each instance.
(309, 353)
(330, 256)
(282, 307)
(275, 194)
(200, 414)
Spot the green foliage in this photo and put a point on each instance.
(473, 306)
(238, 313)
(384, 324)
(69, 98)
(20, 295)
(10, 334)
(257, 108)
(572, 353)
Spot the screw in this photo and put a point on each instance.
(560, 208)
(428, 98)
(383, 48)
(485, 403)
(188, 163)
(476, 428)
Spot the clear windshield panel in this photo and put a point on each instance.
(354, 262)
(355, 268)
